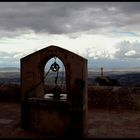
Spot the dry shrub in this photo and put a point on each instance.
(110, 97)
(10, 92)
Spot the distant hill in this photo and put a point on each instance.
(96, 70)
(10, 69)
(134, 69)
(125, 76)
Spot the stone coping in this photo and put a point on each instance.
(49, 103)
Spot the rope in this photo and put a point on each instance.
(62, 76)
(31, 89)
(56, 78)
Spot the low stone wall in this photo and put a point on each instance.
(49, 117)
(112, 97)
(98, 96)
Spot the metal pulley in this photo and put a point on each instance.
(55, 67)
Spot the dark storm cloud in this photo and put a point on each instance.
(69, 17)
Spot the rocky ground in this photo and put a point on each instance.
(103, 123)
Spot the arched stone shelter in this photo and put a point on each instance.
(32, 88)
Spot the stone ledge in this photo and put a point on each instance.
(42, 102)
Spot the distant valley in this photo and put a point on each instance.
(126, 77)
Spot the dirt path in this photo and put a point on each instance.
(102, 123)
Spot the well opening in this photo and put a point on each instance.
(54, 78)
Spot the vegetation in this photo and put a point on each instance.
(114, 97)
(106, 81)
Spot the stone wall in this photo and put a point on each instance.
(114, 97)
(49, 117)
(98, 96)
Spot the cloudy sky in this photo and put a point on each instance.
(106, 33)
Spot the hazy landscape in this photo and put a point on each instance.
(126, 77)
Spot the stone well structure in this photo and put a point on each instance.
(54, 117)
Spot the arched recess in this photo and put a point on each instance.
(32, 84)
(53, 79)
(41, 67)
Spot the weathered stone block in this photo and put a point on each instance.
(49, 116)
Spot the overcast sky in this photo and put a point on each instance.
(106, 33)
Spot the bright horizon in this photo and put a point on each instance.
(105, 33)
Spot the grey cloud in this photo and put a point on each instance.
(127, 49)
(69, 17)
(7, 58)
(130, 8)
(6, 55)
(11, 58)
